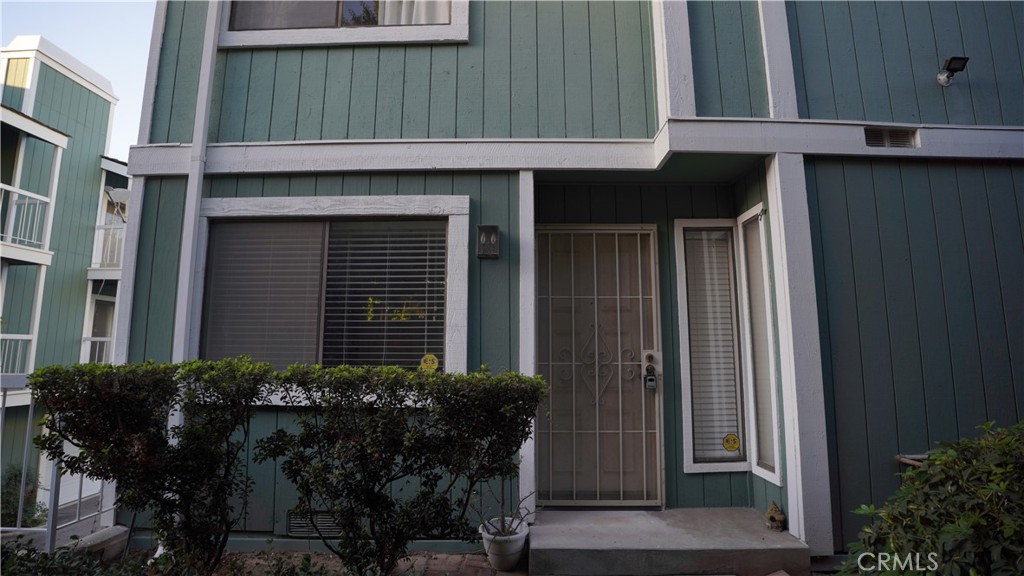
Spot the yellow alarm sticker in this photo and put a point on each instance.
(428, 363)
(731, 442)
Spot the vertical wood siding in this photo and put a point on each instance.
(174, 101)
(67, 106)
(919, 267)
(15, 83)
(658, 204)
(728, 59)
(530, 70)
(877, 61)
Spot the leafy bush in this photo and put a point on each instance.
(965, 505)
(19, 558)
(394, 455)
(33, 513)
(190, 475)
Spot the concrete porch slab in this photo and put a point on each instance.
(661, 543)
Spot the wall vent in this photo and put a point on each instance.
(301, 526)
(890, 138)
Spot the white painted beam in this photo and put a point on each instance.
(673, 60)
(34, 127)
(527, 327)
(803, 394)
(699, 135)
(778, 60)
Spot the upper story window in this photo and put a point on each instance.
(253, 23)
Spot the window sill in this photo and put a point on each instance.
(710, 467)
(455, 32)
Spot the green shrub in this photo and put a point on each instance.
(19, 558)
(394, 455)
(189, 475)
(33, 513)
(965, 505)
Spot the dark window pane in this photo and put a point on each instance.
(359, 12)
(283, 14)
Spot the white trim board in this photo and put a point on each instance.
(778, 59)
(457, 30)
(527, 328)
(718, 136)
(455, 208)
(672, 56)
(31, 126)
(53, 56)
(803, 394)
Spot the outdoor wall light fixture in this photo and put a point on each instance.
(950, 68)
(488, 241)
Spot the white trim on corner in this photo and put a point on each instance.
(455, 208)
(778, 59)
(455, 31)
(689, 465)
(527, 327)
(156, 41)
(186, 288)
(673, 59)
(809, 497)
(28, 103)
(126, 286)
(746, 344)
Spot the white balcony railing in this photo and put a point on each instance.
(97, 350)
(24, 216)
(110, 246)
(14, 353)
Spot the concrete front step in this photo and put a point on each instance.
(723, 541)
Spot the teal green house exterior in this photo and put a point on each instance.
(61, 236)
(756, 249)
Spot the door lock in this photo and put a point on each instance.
(652, 369)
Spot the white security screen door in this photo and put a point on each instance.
(598, 433)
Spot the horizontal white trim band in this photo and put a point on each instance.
(728, 136)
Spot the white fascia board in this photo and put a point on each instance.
(114, 166)
(34, 127)
(55, 57)
(838, 138)
(721, 136)
(19, 253)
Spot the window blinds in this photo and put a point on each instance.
(714, 377)
(385, 293)
(263, 287)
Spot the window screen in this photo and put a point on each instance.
(385, 293)
(714, 377)
(283, 14)
(263, 291)
(760, 344)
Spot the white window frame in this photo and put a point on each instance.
(90, 317)
(454, 208)
(745, 352)
(689, 465)
(747, 346)
(457, 30)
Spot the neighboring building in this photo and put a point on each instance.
(63, 220)
(755, 248)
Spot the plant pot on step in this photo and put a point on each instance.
(504, 541)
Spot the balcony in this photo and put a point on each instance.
(97, 350)
(24, 234)
(109, 246)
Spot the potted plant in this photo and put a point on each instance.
(505, 537)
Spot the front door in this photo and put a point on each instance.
(599, 350)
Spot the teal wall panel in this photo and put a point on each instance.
(156, 270)
(626, 203)
(728, 62)
(922, 330)
(595, 80)
(877, 61)
(174, 101)
(19, 294)
(69, 107)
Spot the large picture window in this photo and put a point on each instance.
(727, 353)
(330, 292)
